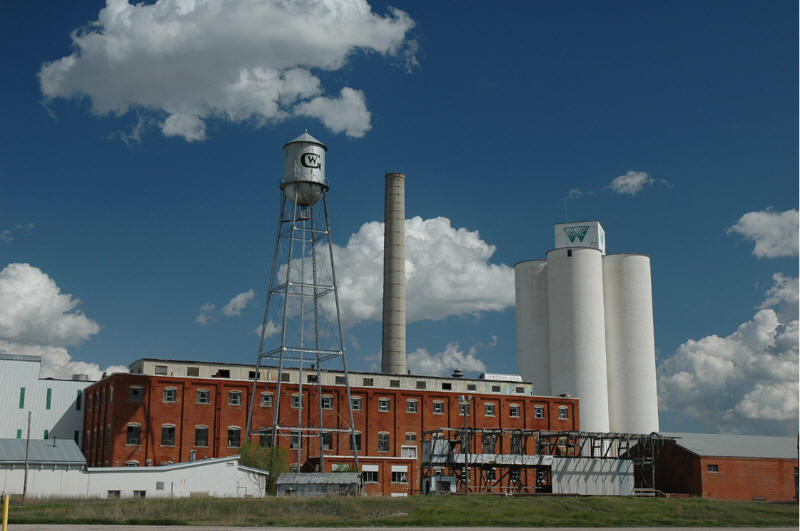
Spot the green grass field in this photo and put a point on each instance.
(479, 510)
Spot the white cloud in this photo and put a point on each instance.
(271, 329)
(443, 363)
(238, 303)
(632, 182)
(744, 381)
(205, 315)
(774, 233)
(8, 235)
(447, 273)
(241, 61)
(37, 319)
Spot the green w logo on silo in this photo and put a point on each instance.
(578, 232)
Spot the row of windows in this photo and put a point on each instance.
(47, 401)
(384, 404)
(95, 400)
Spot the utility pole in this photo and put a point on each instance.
(27, 457)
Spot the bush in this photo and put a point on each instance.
(273, 460)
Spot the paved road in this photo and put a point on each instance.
(48, 527)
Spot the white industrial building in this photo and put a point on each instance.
(55, 405)
(57, 469)
(585, 328)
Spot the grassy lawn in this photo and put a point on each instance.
(420, 510)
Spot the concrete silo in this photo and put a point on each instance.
(577, 331)
(533, 347)
(630, 344)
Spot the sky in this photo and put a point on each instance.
(141, 153)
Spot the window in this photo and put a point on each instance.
(563, 413)
(490, 474)
(422, 384)
(438, 407)
(139, 493)
(167, 435)
(538, 412)
(294, 439)
(357, 437)
(713, 468)
(411, 436)
(369, 476)
(383, 404)
(519, 389)
(110, 394)
(341, 380)
(266, 399)
(75, 436)
(447, 386)
(394, 383)
(285, 377)
(203, 396)
(108, 435)
(234, 437)
(488, 443)
(78, 400)
(161, 370)
(134, 435)
(489, 409)
(234, 398)
(311, 378)
(399, 477)
(383, 442)
(513, 411)
(46, 433)
(367, 382)
(327, 402)
(131, 463)
(355, 402)
(19, 433)
(265, 437)
(296, 402)
(113, 494)
(516, 443)
(48, 398)
(22, 398)
(495, 388)
(201, 436)
(408, 451)
(326, 440)
(471, 387)
(170, 394)
(569, 253)
(411, 406)
(192, 371)
(135, 393)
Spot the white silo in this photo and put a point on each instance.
(630, 344)
(533, 349)
(577, 331)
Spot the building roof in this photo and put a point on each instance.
(333, 478)
(20, 357)
(720, 445)
(43, 451)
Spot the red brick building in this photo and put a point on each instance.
(729, 467)
(170, 411)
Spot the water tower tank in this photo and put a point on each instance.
(304, 176)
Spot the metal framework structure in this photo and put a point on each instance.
(502, 470)
(303, 299)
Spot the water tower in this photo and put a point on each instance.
(302, 327)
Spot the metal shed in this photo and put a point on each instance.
(319, 484)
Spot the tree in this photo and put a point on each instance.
(255, 456)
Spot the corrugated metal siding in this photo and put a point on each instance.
(718, 445)
(59, 451)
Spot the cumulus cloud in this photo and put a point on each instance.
(242, 61)
(238, 303)
(205, 315)
(633, 182)
(746, 380)
(447, 273)
(444, 363)
(36, 318)
(774, 233)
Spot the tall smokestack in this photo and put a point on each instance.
(393, 357)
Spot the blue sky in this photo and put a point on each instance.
(143, 182)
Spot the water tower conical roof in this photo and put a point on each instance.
(305, 137)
